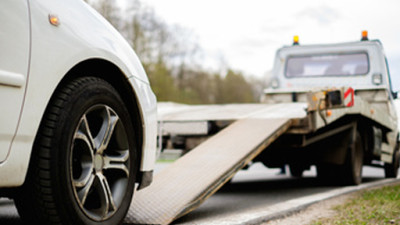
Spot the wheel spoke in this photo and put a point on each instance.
(108, 204)
(84, 180)
(117, 162)
(102, 139)
(82, 154)
(83, 193)
(84, 133)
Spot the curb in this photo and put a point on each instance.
(290, 207)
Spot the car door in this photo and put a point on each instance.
(14, 63)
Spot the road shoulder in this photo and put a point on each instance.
(261, 215)
(323, 208)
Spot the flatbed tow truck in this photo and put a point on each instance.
(328, 105)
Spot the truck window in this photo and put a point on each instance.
(347, 64)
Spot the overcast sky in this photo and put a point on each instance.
(245, 34)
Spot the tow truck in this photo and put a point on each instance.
(328, 105)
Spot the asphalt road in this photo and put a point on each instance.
(250, 190)
(256, 189)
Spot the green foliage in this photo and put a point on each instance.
(199, 87)
(162, 83)
(236, 89)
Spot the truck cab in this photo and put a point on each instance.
(362, 66)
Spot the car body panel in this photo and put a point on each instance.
(82, 34)
(14, 60)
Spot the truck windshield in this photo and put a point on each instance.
(327, 65)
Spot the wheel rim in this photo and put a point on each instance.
(99, 163)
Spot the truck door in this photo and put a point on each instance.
(14, 62)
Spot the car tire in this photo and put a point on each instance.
(84, 160)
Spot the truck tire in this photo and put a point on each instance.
(392, 169)
(296, 170)
(327, 172)
(83, 166)
(352, 168)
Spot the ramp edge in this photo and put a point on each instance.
(230, 173)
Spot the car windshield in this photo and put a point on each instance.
(327, 65)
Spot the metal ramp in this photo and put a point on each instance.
(185, 184)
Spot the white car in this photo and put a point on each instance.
(78, 116)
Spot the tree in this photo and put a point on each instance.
(169, 57)
(109, 10)
(162, 83)
(236, 89)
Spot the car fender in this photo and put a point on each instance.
(82, 34)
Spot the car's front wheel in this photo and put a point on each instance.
(84, 162)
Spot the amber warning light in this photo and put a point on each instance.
(364, 34)
(295, 40)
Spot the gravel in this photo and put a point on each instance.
(323, 209)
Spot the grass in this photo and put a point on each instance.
(165, 161)
(377, 206)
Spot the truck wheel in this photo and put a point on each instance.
(296, 170)
(327, 172)
(352, 168)
(83, 164)
(392, 169)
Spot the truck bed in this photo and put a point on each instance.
(172, 112)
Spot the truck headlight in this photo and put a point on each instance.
(274, 83)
